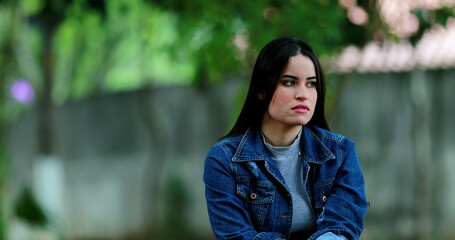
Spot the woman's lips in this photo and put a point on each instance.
(301, 109)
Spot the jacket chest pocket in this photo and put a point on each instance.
(258, 195)
(321, 196)
(255, 192)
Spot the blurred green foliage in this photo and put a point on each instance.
(3, 189)
(427, 18)
(120, 45)
(28, 210)
(107, 46)
(174, 219)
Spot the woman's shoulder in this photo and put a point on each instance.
(335, 143)
(232, 140)
(326, 135)
(227, 144)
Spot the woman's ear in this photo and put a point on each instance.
(261, 95)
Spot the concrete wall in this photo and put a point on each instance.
(118, 155)
(404, 131)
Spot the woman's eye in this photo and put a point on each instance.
(289, 82)
(311, 84)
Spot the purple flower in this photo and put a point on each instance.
(22, 91)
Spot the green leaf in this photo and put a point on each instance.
(28, 209)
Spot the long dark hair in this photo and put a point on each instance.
(269, 66)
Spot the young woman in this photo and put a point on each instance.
(280, 173)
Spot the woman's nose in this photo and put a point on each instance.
(301, 93)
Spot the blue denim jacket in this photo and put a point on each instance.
(247, 197)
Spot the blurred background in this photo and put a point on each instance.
(108, 108)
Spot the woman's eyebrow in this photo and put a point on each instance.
(296, 78)
(290, 76)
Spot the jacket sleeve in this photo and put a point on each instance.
(331, 236)
(228, 215)
(345, 208)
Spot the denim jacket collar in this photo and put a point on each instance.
(251, 147)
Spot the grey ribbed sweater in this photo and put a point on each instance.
(290, 165)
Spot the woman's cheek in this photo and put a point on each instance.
(282, 97)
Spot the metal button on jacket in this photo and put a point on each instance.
(253, 196)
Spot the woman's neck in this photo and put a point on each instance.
(280, 135)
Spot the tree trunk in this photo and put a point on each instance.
(45, 139)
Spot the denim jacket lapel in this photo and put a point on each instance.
(313, 149)
(250, 148)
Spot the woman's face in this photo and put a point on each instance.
(294, 100)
